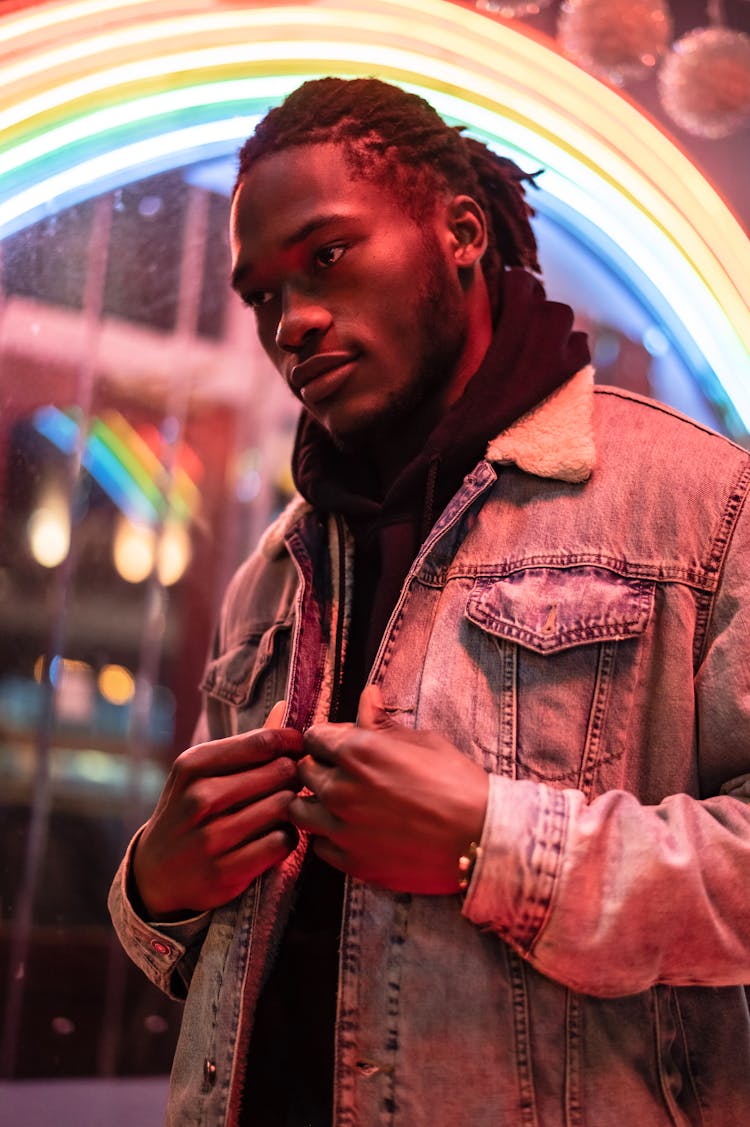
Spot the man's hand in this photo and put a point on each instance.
(222, 818)
(390, 806)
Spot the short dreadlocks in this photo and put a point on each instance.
(398, 139)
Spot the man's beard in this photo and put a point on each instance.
(413, 411)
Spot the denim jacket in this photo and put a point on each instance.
(577, 622)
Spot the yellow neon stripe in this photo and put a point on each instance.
(143, 460)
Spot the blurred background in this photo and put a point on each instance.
(144, 441)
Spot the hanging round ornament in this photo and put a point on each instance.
(616, 40)
(512, 9)
(705, 81)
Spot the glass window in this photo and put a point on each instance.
(145, 445)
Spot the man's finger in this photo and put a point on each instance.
(275, 718)
(312, 773)
(237, 753)
(371, 713)
(225, 834)
(215, 795)
(330, 853)
(243, 864)
(307, 813)
(323, 741)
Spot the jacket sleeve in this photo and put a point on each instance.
(611, 897)
(168, 952)
(165, 952)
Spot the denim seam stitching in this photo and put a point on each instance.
(688, 1056)
(723, 541)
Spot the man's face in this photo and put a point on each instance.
(358, 307)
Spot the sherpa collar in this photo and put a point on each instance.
(555, 439)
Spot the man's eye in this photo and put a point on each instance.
(258, 298)
(329, 256)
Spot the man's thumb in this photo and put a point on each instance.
(275, 717)
(372, 713)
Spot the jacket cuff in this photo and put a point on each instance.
(517, 866)
(157, 948)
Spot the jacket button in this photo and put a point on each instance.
(209, 1074)
(161, 948)
(367, 1068)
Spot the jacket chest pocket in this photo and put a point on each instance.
(250, 677)
(568, 642)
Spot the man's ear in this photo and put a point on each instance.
(468, 230)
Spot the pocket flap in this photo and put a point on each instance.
(233, 675)
(549, 609)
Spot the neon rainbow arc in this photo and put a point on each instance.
(123, 462)
(96, 95)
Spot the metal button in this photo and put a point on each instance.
(209, 1074)
(367, 1068)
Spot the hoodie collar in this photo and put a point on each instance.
(554, 440)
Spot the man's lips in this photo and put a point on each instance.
(321, 375)
(318, 365)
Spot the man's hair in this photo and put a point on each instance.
(396, 138)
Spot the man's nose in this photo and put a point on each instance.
(301, 316)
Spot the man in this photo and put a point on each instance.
(541, 811)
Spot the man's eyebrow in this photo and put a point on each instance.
(297, 236)
(312, 225)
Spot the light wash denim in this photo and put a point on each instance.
(585, 637)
